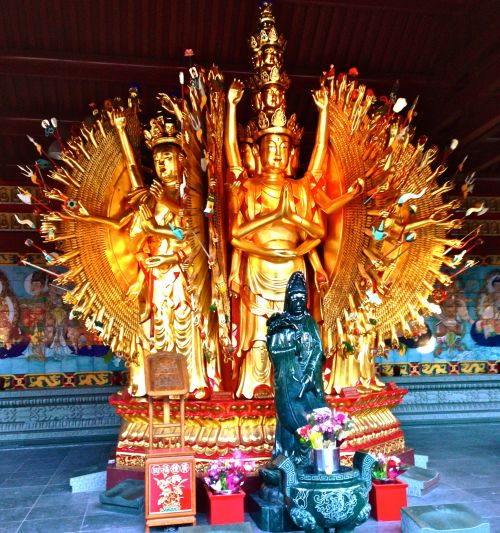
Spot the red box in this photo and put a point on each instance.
(225, 508)
(387, 499)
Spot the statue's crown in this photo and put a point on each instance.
(269, 82)
(163, 129)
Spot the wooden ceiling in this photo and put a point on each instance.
(58, 56)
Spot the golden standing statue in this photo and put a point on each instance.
(147, 236)
(148, 264)
(277, 220)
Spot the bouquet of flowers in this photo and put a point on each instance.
(326, 428)
(227, 475)
(387, 468)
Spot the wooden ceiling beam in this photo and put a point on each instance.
(487, 162)
(98, 70)
(481, 85)
(155, 73)
(481, 129)
(422, 6)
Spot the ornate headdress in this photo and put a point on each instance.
(270, 82)
(296, 284)
(163, 129)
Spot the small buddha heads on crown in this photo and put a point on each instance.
(269, 82)
(163, 129)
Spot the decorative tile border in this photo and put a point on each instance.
(120, 378)
(440, 368)
(63, 380)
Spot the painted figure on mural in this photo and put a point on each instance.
(486, 330)
(296, 353)
(453, 323)
(9, 313)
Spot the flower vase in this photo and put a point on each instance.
(326, 461)
(386, 499)
(225, 508)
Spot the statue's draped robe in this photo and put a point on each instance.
(296, 354)
(264, 280)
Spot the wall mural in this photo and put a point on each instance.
(38, 332)
(39, 335)
(468, 329)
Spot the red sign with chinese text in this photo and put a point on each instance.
(170, 487)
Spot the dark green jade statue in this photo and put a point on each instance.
(293, 494)
(296, 353)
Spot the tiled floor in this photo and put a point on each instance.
(35, 494)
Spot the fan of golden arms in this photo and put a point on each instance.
(269, 83)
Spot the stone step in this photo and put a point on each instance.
(126, 497)
(420, 481)
(92, 479)
(449, 518)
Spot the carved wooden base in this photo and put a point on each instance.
(215, 428)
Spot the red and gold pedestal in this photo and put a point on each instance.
(216, 427)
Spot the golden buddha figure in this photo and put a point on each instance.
(150, 228)
(276, 221)
(149, 265)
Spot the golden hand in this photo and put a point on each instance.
(156, 189)
(320, 98)
(284, 204)
(71, 213)
(145, 213)
(357, 187)
(235, 92)
(170, 105)
(117, 118)
(321, 281)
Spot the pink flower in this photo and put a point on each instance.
(233, 481)
(321, 414)
(341, 418)
(304, 431)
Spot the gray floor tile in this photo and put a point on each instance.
(486, 493)
(51, 525)
(487, 508)
(123, 529)
(115, 521)
(59, 488)
(15, 502)
(35, 490)
(478, 488)
(9, 527)
(63, 511)
(49, 500)
(494, 524)
(16, 514)
(23, 481)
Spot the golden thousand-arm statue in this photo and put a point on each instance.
(198, 260)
